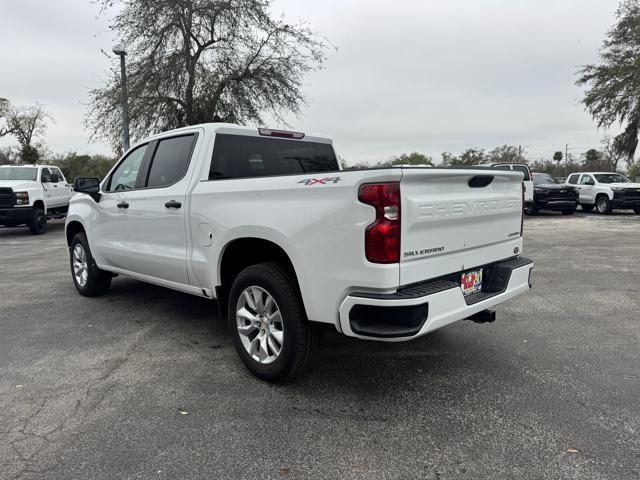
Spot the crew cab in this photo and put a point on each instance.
(31, 194)
(606, 191)
(266, 223)
(549, 195)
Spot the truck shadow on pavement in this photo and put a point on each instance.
(343, 365)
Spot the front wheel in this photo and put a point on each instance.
(87, 277)
(268, 324)
(38, 223)
(531, 209)
(603, 205)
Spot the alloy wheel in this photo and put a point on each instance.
(259, 323)
(80, 265)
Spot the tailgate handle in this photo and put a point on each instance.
(480, 181)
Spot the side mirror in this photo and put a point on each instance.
(54, 178)
(86, 185)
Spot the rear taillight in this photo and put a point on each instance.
(522, 212)
(382, 237)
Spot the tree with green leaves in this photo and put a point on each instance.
(413, 158)
(469, 157)
(558, 156)
(196, 61)
(613, 85)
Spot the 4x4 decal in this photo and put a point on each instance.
(320, 181)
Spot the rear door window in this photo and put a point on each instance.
(573, 179)
(170, 160)
(239, 156)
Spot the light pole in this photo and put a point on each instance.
(121, 52)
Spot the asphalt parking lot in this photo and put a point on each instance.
(144, 382)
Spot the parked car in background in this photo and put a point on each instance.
(30, 194)
(267, 223)
(606, 191)
(549, 195)
(527, 180)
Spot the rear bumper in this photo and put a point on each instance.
(15, 215)
(419, 309)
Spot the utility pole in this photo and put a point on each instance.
(121, 52)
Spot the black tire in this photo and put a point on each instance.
(568, 212)
(97, 281)
(637, 210)
(587, 208)
(603, 205)
(38, 223)
(531, 209)
(301, 339)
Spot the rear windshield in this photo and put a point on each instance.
(238, 156)
(18, 173)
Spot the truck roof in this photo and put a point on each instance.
(235, 129)
(32, 165)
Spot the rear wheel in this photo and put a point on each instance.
(603, 205)
(87, 277)
(268, 323)
(38, 223)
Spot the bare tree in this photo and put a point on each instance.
(27, 125)
(195, 61)
(612, 153)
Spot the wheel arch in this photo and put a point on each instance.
(243, 252)
(72, 229)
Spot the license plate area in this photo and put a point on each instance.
(471, 282)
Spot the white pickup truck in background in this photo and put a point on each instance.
(30, 194)
(266, 223)
(606, 191)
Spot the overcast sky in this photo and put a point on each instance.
(408, 75)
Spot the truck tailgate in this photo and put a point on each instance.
(454, 220)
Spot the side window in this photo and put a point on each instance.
(501, 167)
(45, 175)
(170, 161)
(59, 173)
(124, 177)
(573, 179)
(587, 180)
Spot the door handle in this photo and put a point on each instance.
(55, 186)
(173, 204)
(123, 205)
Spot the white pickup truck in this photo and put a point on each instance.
(266, 223)
(606, 191)
(29, 194)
